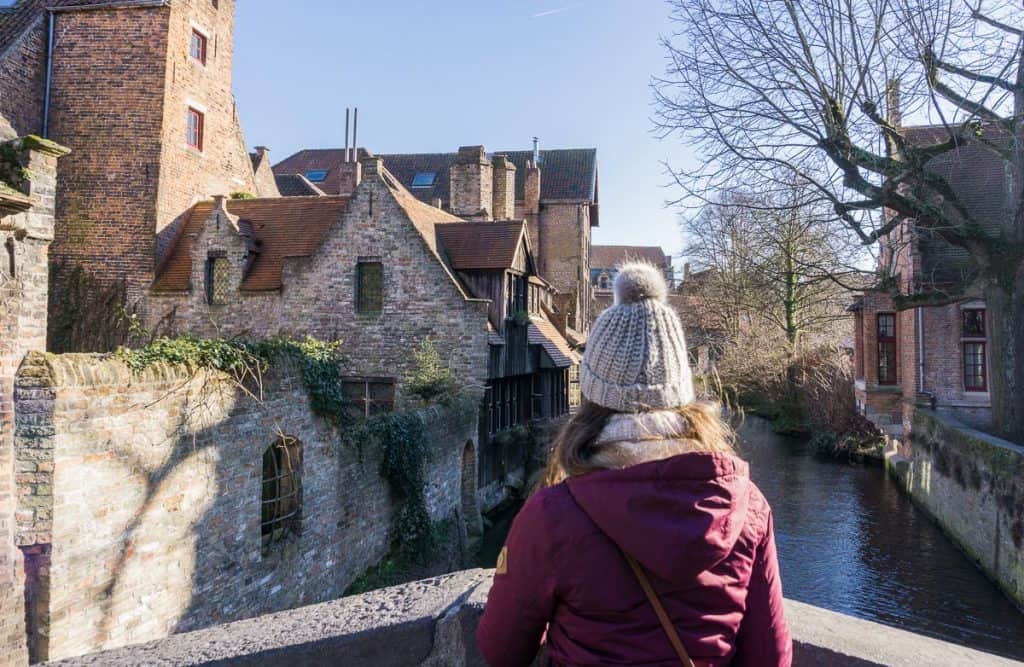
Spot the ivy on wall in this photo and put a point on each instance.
(400, 437)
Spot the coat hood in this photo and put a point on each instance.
(678, 516)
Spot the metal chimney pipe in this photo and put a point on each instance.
(355, 135)
(536, 152)
(346, 135)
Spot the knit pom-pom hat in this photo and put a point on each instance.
(636, 354)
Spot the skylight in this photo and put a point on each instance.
(424, 179)
(317, 176)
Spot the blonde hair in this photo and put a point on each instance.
(575, 448)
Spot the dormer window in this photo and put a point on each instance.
(197, 48)
(195, 129)
(316, 176)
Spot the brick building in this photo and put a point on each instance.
(140, 91)
(934, 356)
(27, 183)
(555, 191)
(604, 266)
(382, 271)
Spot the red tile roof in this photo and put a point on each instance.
(611, 256)
(481, 245)
(284, 227)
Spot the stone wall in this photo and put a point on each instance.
(433, 623)
(140, 495)
(23, 296)
(972, 484)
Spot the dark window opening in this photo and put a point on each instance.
(197, 47)
(368, 397)
(887, 348)
(12, 267)
(369, 287)
(218, 270)
(516, 295)
(194, 133)
(281, 496)
(974, 323)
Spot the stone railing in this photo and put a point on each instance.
(433, 622)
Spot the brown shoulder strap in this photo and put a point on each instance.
(659, 609)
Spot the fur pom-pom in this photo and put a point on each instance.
(639, 280)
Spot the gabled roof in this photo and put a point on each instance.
(284, 227)
(611, 256)
(542, 332)
(482, 245)
(297, 185)
(566, 174)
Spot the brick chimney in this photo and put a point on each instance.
(504, 188)
(531, 195)
(472, 184)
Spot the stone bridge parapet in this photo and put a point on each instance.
(433, 623)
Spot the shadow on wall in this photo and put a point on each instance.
(157, 496)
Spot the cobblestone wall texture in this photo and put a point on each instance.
(142, 493)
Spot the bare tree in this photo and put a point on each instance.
(782, 90)
(773, 262)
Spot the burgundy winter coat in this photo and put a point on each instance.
(698, 525)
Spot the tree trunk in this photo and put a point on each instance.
(1006, 382)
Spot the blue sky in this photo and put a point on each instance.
(431, 76)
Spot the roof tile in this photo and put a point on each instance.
(481, 245)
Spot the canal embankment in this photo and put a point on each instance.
(972, 485)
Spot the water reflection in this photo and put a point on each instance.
(850, 541)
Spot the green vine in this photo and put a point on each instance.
(402, 442)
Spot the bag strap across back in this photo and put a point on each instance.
(652, 597)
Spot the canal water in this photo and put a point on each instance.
(850, 541)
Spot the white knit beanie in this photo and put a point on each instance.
(636, 353)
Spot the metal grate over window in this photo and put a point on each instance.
(281, 496)
(218, 280)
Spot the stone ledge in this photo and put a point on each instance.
(433, 623)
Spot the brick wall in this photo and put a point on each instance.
(107, 100)
(223, 166)
(23, 82)
(318, 297)
(564, 248)
(23, 298)
(140, 499)
(123, 81)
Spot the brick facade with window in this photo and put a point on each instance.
(942, 354)
(135, 165)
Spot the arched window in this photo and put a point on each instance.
(281, 497)
(10, 265)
